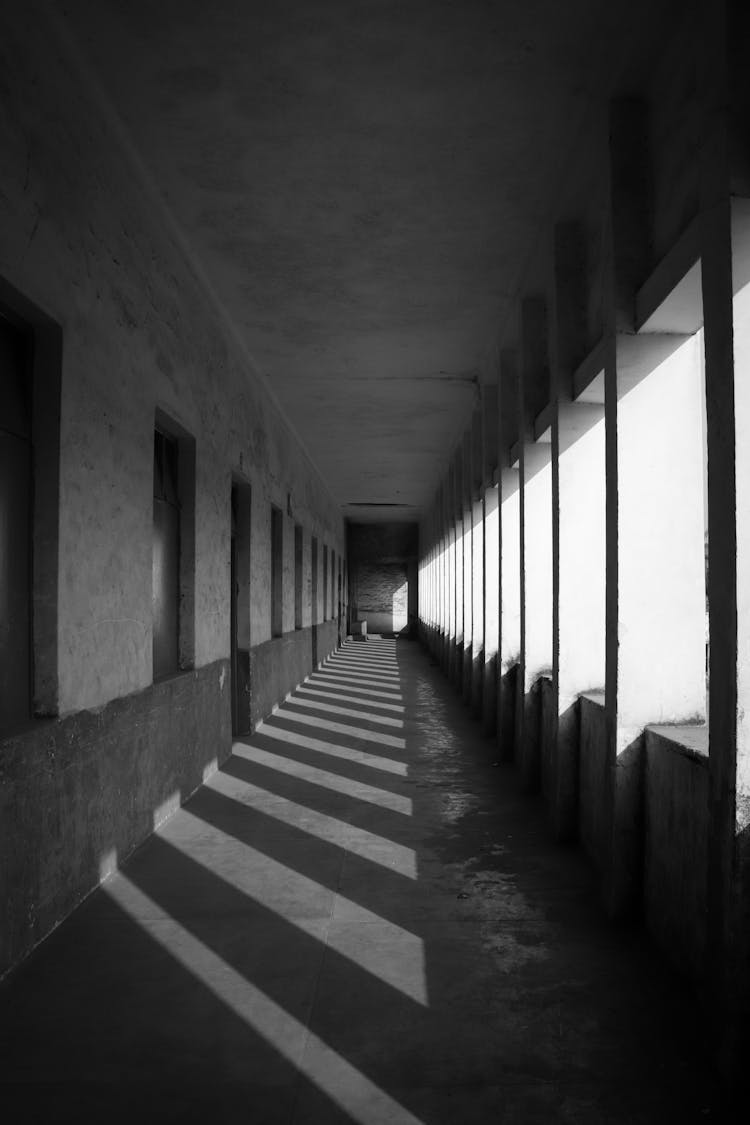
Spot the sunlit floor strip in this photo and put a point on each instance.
(385, 664)
(365, 1102)
(358, 790)
(367, 666)
(342, 728)
(346, 753)
(357, 677)
(396, 957)
(349, 712)
(396, 707)
(350, 685)
(376, 849)
(365, 670)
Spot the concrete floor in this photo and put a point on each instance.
(358, 918)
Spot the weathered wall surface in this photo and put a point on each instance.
(84, 237)
(279, 665)
(77, 795)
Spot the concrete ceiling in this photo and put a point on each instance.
(362, 182)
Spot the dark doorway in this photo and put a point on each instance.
(166, 556)
(15, 527)
(314, 619)
(233, 623)
(239, 607)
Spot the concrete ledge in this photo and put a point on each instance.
(78, 794)
(676, 842)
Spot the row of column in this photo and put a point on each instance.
(589, 537)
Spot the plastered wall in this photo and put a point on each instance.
(85, 238)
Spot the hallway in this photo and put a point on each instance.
(360, 918)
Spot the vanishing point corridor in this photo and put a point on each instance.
(357, 918)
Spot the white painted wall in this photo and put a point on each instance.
(582, 547)
(537, 562)
(510, 517)
(661, 611)
(491, 571)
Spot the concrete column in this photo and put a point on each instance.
(477, 613)
(458, 650)
(509, 525)
(477, 573)
(579, 646)
(491, 607)
(491, 557)
(452, 558)
(578, 525)
(655, 659)
(468, 526)
(509, 563)
(445, 641)
(535, 477)
(536, 540)
(726, 304)
(439, 601)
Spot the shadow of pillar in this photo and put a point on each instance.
(506, 713)
(456, 665)
(528, 735)
(477, 683)
(610, 807)
(466, 666)
(623, 886)
(445, 653)
(489, 696)
(563, 791)
(559, 755)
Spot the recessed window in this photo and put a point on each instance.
(173, 549)
(16, 492)
(332, 602)
(166, 556)
(314, 580)
(298, 556)
(325, 583)
(30, 366)
(277, 572)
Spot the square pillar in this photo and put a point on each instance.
(579, 485)
(490, 450)
(477, 613)
(509, 559)
(468, 534)
(535, 476)
(458, 647)
(536, 538)
(509, 650)
(491, 607)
